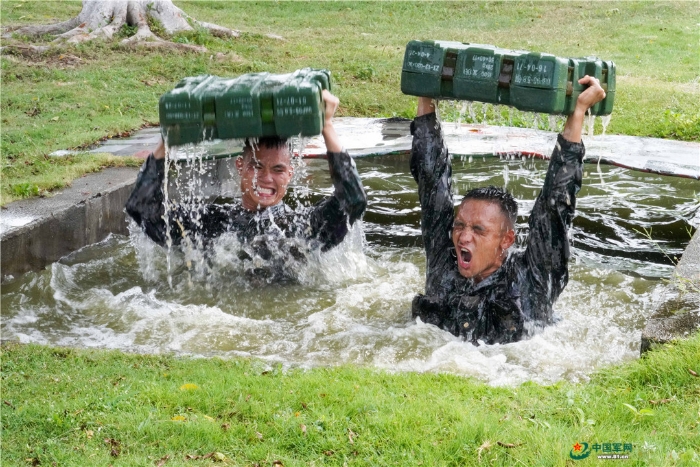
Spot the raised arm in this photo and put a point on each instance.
(431, 168)
(145, 206)
(331, 216)
(547, 252)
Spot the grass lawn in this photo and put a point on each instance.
(77, 407)
(77, 95)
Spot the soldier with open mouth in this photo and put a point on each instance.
(476, 285)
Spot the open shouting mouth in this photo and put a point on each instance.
(464, 257)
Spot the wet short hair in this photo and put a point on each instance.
(498, 196)
(270, 142)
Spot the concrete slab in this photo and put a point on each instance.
(113, 148)
(689, 265)
(153, 130)
(678, 315)
(368, 136)
(144, 139)
(373, 136)
(39, 231)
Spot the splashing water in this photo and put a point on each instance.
(510, 117)
(166, 204)
(436, 105)
(556, 123)
(186, 189)
(533, 120)
(605, 120)
(589, 123)
(472, 112)
(462, 112)
(352, 304)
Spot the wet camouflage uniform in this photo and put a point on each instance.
(520, 294)
(272, 231)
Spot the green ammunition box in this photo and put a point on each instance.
(604, 71)
(182, 113)
(423, 68)
(539, 83)
(238, 109)
(250, 106)
(592, 66)
(298, 107)
(476, 76)
(528, 81)
(451, 70)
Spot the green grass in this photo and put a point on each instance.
(76, 95)
(84, 407)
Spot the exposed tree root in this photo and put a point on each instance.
(166, 45)
(105, 18)
(27, 51)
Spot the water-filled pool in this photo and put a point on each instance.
(352, 305)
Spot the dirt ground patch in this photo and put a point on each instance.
(51, 57)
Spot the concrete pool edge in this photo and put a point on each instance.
(678, 314)
(77, 216)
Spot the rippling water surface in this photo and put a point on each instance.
(352, 305)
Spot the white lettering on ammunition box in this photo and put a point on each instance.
(239, 113)
(419, 53)
(424, 66)
(242, 107)
(482, 66)
(534, 73)
(181, 116)
(290, 100)
(177, 105)
(293, 111)
(245, 102)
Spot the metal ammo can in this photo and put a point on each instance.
(249, 106)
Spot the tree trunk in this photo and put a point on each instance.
(104, 18)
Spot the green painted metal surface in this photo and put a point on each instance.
(530, 81)
(249, 106)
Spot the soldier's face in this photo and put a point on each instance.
(265, 175)
(481, 235)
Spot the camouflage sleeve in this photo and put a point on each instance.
(331, 216)
(145, 204)
(547, 249)
(432, 170)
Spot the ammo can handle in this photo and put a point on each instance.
(570, 81)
